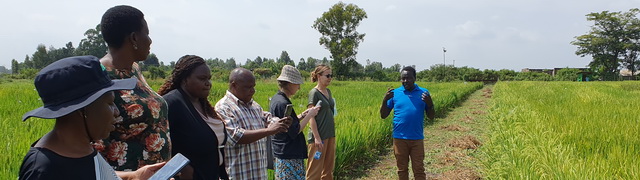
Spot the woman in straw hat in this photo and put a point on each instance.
(79, 95)
(289, 148)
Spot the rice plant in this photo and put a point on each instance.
(564, 130)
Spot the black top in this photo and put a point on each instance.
(42, 163)
(287, 145)
(191, 136)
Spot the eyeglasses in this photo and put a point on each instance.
(329, 76)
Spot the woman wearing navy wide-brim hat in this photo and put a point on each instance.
(78, 94)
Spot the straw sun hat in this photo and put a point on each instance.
(290, 74)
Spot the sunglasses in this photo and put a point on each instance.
(329, 76)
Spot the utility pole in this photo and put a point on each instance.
(444, 64)
(444, 58)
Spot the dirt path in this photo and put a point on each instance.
(450, 143)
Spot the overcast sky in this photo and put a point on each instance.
(484, 34)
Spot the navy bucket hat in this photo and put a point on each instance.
(72, 83)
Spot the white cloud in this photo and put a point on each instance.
(427, 31)
(517, 35)
(470, 28)
(390, 8)
(40, 17)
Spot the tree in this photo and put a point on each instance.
(373, 67)
(56, 54)
(325, 61)
(567, 74)
(612, 39)
(152, 60)
(4, 70)
(156, 72)
(312, 63)
(231, 64)
(15, 67)
(285, 59)
(40, 57)
(506, 75)
(394, 68)
(302, 65)
(339, 35)
(93, 44)
(27, 63)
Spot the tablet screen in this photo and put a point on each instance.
(171, 168)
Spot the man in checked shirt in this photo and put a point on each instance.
(247, 125)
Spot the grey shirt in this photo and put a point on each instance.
(324, 119)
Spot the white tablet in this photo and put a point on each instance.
(171, 168)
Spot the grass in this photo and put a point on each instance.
(18, 97)
(564, 130)
(361, 134)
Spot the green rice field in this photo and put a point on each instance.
(360, 131)
(564, 130)
(538, 130)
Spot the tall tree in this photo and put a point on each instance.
(231, 64)
(55, 54)
(339, 35)
(631, 58)
(15, 67)
(27, 63)
(285, 59)
(373, 67)
(152, 60)
(325, 61)
(40, 57)
(612, 40)
(93, 44)
(312, 63)
(302, 65)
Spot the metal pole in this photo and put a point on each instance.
(444, 59)
(444, 64)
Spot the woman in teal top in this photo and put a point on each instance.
(322, 138)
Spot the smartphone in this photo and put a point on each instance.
(171, 168)
(288, 111)
(319, 103)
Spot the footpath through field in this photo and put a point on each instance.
(450, 143)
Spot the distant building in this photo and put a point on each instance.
(553, 71)
(585, 74)
(628, 75)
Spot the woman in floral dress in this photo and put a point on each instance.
(141, 135)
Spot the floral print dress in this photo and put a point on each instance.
(141, 136)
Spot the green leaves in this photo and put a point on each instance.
(613, 42)
(339, 35)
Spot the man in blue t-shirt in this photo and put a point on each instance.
(410, 103)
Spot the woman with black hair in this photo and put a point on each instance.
(79, 95)
(196, 130)
(141, 135)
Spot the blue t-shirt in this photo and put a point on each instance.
(408, 113)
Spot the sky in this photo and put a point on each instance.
(483, 34)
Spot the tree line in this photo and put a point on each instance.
(613, 42)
